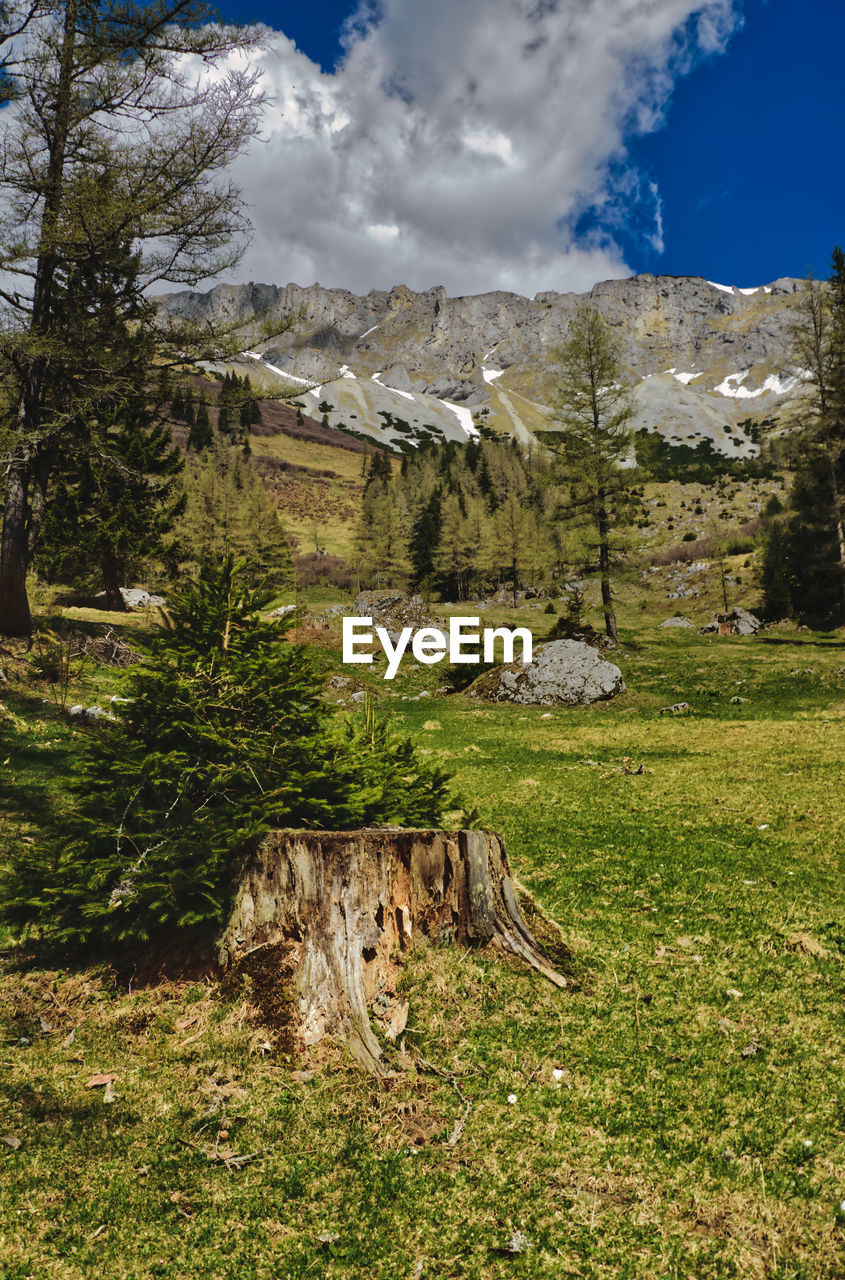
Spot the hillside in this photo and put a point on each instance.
(401, 367)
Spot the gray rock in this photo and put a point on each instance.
(700, 358)
(676, 622)
(93, 712)
(136, 598)
(394, 610)
(745, 623)
(737, 622)
(564, 672)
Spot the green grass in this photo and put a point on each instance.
(700, 1039)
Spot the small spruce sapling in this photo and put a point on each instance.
(224, 735)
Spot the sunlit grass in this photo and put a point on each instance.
(695, 1127)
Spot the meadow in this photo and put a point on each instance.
(677, 1111)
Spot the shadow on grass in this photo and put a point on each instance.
(36, 766)
(820, 640)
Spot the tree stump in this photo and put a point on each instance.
(320, 918)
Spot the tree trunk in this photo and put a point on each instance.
(320, 917)
(111, 582)
(15, 618)
(26, 484)
(604, 569)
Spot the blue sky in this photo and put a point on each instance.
(707, 142)
(749, 164)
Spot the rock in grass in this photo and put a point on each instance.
(565, 672)
(676, 622)
(738, 622)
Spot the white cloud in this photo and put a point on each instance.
(459, 144)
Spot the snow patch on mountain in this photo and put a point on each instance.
(406, 395)
(274, 368)
(464, 418)
(732, 386)
(735, 289)
(490, 375)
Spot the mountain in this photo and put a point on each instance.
(706, 361)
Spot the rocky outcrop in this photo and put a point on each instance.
(700, 357)
(737, 622)
(563, 672)
(394, 610)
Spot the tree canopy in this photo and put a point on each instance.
(117, 136)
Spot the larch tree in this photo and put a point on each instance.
(117, 133)
(226, 506)
(457, 550)
(593, 409)
(805, 550)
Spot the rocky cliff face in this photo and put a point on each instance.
(701, 357)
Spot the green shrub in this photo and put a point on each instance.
(223, 736)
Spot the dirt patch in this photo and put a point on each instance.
(270, 970)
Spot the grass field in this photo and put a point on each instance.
(678, 1111)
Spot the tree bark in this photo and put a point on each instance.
(319, 919)
(111, 581)
(26, 485)
(604, 568)
(15, 617)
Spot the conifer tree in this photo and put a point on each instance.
(425, 540)
(200, 434)
(110, 137)
(115, 474)
(224, 734)
(456, 553)
(227, 505)
(811, 543)
(593, 409)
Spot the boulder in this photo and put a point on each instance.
(563, 672)
(136, 598)
(394, 610)
(737, 622)
(676, 622)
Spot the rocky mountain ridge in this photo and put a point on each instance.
(701, 357)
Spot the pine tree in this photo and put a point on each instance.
(227, 505)
(457, 551)
(200, 435)
(424, 540)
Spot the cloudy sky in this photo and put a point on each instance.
(544, 144)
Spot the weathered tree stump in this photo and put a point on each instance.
(321, 917)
